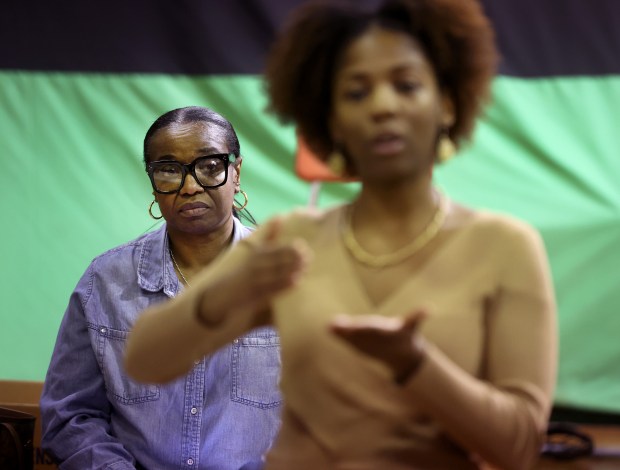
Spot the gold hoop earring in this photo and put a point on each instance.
(336, 163)
(151, 211)
(237, 207)
(445, 147)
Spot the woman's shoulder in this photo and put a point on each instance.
(304, 222)
(307, 222)
(120, 265)
(141, 247)
(492, 225)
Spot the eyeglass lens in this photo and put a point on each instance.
(208, 171)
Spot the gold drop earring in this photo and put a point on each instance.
(336, 162)
(445, 147)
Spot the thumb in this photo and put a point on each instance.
(413, 320)
(273, 229)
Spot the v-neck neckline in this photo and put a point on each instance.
(398, 299)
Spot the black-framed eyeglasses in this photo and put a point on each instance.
(210, 171)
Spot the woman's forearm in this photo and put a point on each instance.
(230, 297)
(164, 341)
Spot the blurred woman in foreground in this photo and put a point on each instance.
(416, 333)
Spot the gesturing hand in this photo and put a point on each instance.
(274, 265)
(249, 286)
(394, 341)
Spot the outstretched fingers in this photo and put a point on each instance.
(393, 341)
(377, 325)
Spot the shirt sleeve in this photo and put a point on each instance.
(503, 417)
(75, 411)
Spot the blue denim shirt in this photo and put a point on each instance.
(222, 416)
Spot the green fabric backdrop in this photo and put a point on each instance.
(73, 185)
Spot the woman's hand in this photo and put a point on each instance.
(165, 341)
(394, 341)
(272, 267)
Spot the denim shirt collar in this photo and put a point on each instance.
(155, 270)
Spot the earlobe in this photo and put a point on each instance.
(237, 174)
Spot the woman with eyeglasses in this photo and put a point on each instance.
(421, 333)
(224, 412)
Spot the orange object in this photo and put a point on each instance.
(309, 167)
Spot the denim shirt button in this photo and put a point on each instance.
(236, 341)
(190, 461)
(103, 330)
(194, 410)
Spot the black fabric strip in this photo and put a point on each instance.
(537, 38)
(133, 36)
(542, 38)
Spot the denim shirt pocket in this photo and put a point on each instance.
(110, 351)
(256, 369)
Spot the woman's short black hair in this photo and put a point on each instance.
(193, 114)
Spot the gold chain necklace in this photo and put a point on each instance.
(178, 269)
(398, 256)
